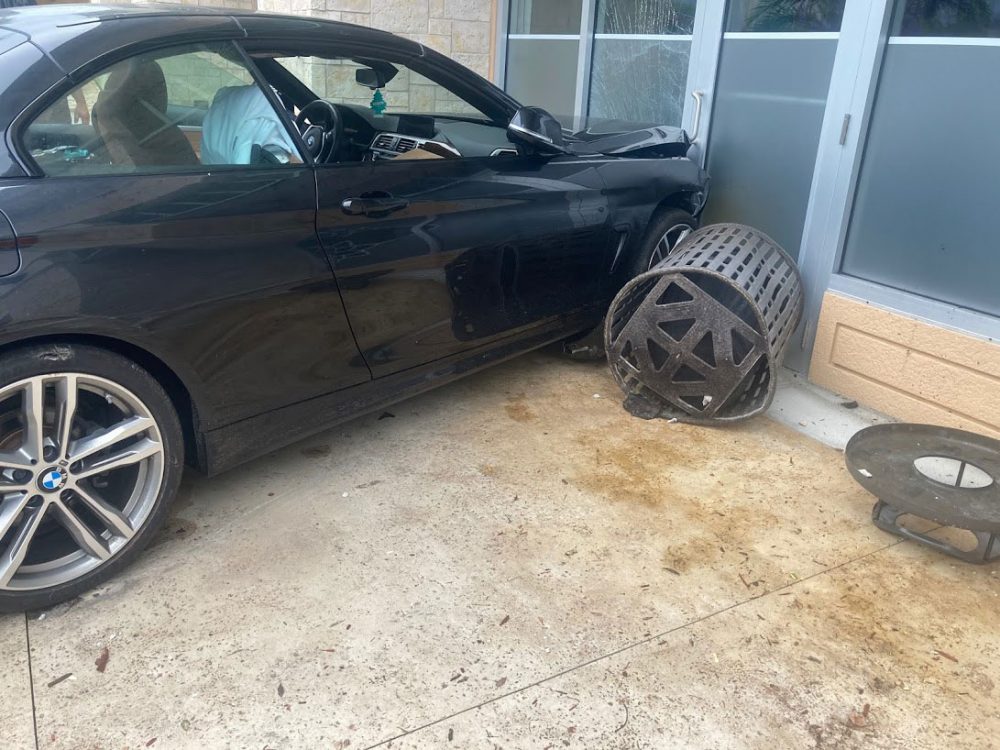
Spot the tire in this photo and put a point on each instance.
(667, 223)
(94, 498)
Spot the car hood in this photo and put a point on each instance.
(618, 138)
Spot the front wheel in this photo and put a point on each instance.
(90, 458)
(666, 232)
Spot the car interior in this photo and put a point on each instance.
(364, 110)
(360, 131)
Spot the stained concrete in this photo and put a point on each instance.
(16, 724)
(514, 556)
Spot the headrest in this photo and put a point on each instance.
(137, 82)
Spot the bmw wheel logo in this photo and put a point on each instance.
(52, 480)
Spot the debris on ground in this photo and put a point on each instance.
(850, 404)
(857, 719)
(945, 655)
(101, 662)
(60, 678)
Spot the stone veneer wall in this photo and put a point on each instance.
(461, 29)
(250, 5)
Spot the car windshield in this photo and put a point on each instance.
(404, 91)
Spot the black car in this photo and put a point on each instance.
(221, 233)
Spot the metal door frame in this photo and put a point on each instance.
(864, 38)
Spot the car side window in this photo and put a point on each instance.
(388, 111)
(168, 111)
(402, 91)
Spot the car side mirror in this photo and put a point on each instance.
(536, 129)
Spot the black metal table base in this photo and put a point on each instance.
(886, 517)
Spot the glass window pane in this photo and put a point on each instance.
(407, 91)
(925, 212)
(977, 18)
(160, 112)
(785, 15)
(645, 16)
(769, 105)
(620, 63)
(542, 72)
(545, 16)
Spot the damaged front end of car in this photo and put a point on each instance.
(649, 141)
(539, 131)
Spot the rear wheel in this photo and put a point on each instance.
(90, 458)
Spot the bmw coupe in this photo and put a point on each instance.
(223, 232)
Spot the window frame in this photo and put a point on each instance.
(395, 55)
(444, 72)
(18, 129)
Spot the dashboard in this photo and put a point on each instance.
(387, 136)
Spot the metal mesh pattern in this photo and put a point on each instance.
(700, 335)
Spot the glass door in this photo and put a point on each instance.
(774, 76)
(642, 49)
(543, 55)
(924, 212)
(637, 61)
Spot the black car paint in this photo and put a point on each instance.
(221, 282)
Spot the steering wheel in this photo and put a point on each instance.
(321, 126)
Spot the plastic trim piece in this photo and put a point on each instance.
(10, 258)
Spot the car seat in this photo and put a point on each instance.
(131, 117)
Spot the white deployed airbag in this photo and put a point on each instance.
(240, 118)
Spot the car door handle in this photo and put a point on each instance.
(373, 206)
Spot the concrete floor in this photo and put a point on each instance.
(514, 561)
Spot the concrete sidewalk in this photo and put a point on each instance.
(514, 561)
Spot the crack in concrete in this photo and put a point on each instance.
(31, 681)
(634, 645)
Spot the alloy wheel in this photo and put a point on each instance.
(81, 467)
(668, 243)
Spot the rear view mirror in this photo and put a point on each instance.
(373, 79)
(377, 75)
(537, 129)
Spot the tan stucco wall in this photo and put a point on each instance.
(907, 368)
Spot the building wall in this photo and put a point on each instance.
(907, 368)
(461, 29)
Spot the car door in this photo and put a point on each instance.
(458, 253)
(436, 257)
(214, 261)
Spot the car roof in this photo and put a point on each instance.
(54, 28)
